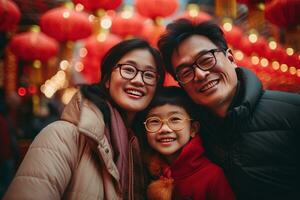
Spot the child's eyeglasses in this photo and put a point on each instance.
(175, 122)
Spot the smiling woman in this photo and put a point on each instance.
(86, 155)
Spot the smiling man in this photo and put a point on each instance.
(251, 132)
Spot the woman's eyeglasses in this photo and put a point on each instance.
(129, 72)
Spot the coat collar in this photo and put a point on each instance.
(189, 160)
(86, 116)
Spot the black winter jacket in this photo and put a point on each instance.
(257, 143)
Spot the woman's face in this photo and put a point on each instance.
(133, 95)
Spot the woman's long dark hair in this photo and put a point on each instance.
(98, 93)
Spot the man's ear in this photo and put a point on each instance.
(230, 56)
(195, 128)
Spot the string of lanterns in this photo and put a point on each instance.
(98, 27)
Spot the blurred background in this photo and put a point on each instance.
(48, 47)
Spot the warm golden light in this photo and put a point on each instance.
(79, 7)
(252, 38)
(66, 14)
(293, 70)
(37, 64)
(64, 64)
(289, 51)
(275, 65)
(264, 62)
(298, 72)
(79, 66)
(254, 60)
(82, 52)
(272, 45)
(101, 37)
(283, 67)
(106, 22)
(238, 55)
(227, 26)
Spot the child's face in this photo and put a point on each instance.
(169, 128)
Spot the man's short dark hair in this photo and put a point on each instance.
(180, 30)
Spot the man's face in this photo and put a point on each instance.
(214, 88)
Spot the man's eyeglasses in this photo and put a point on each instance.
(176, 122)
(205, 62)
(128, 71)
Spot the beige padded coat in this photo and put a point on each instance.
(73, 158)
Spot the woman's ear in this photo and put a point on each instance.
(107, 83)
(195, 128)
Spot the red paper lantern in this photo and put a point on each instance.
(65, 24)
(9, 15)
(127, 25)
(156, 8)
(91, 69)
(284, 13)
(34, 46)
(95, 5)
(98, 46)
(152, 33)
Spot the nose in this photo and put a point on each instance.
(165, 128)
(138, 79)
(200, 74)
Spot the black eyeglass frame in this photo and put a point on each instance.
(137, 71)
(195, 65)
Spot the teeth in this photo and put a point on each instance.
(209, 85)
(134, 92)
(167, 140)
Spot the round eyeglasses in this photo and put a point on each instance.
(129, 72)
(204, 61)
(175, 122)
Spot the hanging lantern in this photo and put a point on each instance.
(33, 45)
(127, 23)
(99, 45)
(152, 32)
(156, 8)
(91, 69)
(100, 4)
(65, 24)
(194, 14)
(9, 15)
(283, 13)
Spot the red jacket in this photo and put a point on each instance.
(195, 177)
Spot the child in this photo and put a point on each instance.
(174, 153)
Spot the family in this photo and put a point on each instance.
(219, 136)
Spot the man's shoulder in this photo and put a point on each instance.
(279, 98)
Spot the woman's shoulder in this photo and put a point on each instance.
(56, 133)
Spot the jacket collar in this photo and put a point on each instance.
(85, 115)
(249, 91)
(189, 160)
